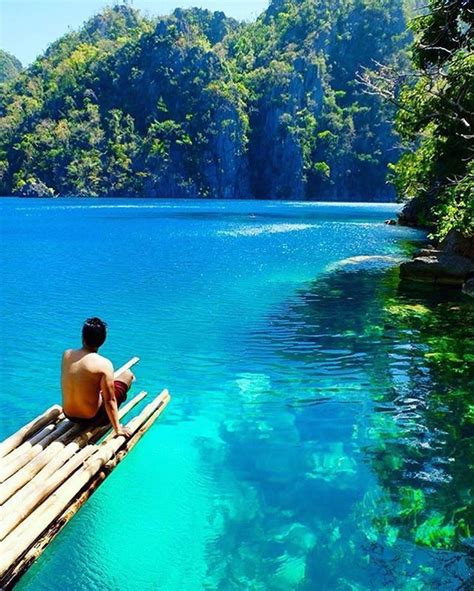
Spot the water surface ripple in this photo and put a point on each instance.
(320, 429)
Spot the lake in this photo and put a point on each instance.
(320, 431)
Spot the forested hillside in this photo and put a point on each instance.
(10, 66)
(199, 105)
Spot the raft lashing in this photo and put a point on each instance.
(48, 470)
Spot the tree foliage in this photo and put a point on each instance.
(196, 104)
(436, 116)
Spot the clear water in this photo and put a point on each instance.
(317, 436)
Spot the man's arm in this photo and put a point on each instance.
(109, 400)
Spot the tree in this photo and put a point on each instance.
(436, 116)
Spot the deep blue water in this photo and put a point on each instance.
(281, 461)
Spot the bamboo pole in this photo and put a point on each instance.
(25, 474)
(31, 469)
(17, 568)
(32, 451)
(133, 361)
(60, 457)
(24, 536)
(26, 445)
(13, 461)
(37, 437)
(115, 442)
(30, 428)
(26, 452)
(15, 512)
(30, 442)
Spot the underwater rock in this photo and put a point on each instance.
(290, 574)
(366, 261)
(253, 386)
(440, 267)
(297, 538)
(332, 463)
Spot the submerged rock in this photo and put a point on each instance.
(366, 261)
(297, 538)
(439, 267)
(290, 573)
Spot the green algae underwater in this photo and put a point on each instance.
(320, 435)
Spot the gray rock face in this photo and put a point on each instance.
(276, 142)
(428, 251)
(226, 167)
(196, 112)
(456, 243)
(417, 212)
(35, 188)
(440, 267)
(468, 287)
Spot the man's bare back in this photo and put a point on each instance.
(87, 380)
(82, 378)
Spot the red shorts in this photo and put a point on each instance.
(101, 418)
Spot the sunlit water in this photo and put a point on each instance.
(316, 438)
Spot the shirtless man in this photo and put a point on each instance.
(90, 394)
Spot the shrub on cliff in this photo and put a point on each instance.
(436, 118)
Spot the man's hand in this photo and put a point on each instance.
(124, 431)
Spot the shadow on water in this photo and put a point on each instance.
(365, 482)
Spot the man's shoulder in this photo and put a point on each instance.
(102, 362)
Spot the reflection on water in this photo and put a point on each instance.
(362, 479)
(321, 430)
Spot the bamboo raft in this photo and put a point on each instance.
(48, 470)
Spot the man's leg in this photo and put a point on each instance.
(127, 377)
(122, 385)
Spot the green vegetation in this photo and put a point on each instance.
(417, 347)
(10, 66)
(314, 133)
(197, 104)
(440, 517)
(436, 119)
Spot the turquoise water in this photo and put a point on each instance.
(305, 446)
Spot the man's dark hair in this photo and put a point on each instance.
(94, 332)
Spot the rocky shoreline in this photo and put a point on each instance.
(451, 262)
